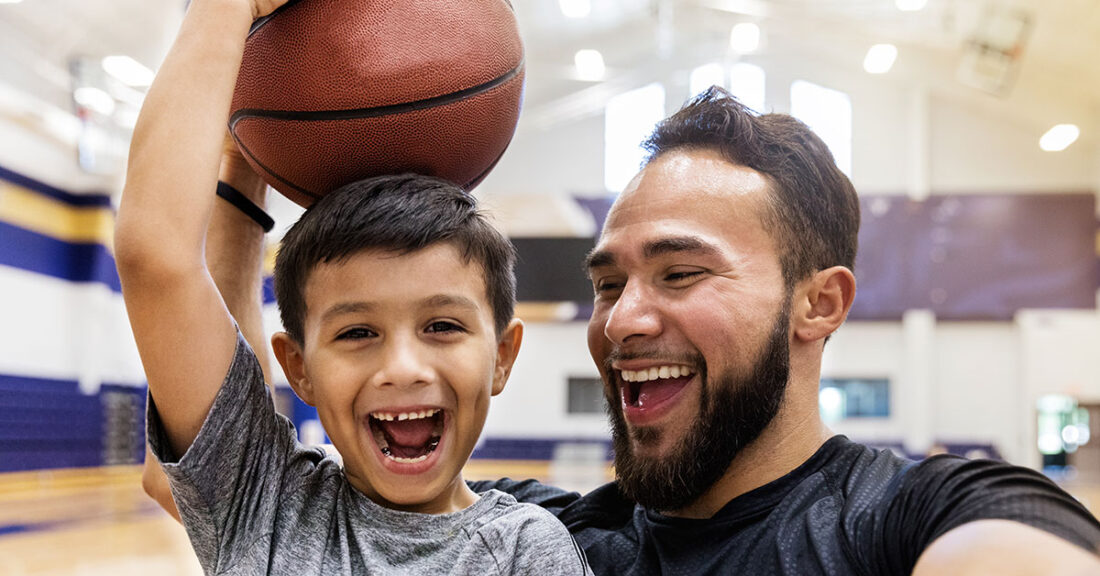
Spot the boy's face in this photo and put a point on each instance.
(400, 358)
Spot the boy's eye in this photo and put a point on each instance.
(357, 333)
(444, 327)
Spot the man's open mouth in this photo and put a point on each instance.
(407, 437)
(642, 388)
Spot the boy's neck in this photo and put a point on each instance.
(454, 497)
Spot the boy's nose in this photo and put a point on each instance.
(404, 363)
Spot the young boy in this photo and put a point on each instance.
(397, 299)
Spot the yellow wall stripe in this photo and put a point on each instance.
(44, 215)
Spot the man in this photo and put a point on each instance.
(720, 273)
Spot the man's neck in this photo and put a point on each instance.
(791, 439)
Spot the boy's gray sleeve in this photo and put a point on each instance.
(527, 540)
(227, 484)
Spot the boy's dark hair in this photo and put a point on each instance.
(813, 211)
(401, 214)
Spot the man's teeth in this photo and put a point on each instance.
(656, 372)
(391, 416)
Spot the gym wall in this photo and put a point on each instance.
(71, 382)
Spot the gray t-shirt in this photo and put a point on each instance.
(254, 501)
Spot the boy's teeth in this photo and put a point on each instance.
(669, 371)
(391, 416)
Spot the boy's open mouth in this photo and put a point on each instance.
(407, 437)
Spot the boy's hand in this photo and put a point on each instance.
(261, 8)
(238, 173)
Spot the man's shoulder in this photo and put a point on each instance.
(529, 491)
(525, 536)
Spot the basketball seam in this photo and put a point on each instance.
(326, 115)
(246, 151)
(375, 111)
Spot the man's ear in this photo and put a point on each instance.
(289, 354)
(822, 303)
(507, 349)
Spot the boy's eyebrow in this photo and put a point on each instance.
(346, 308)
(436, 301)
(441, 300)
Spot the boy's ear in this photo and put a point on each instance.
(289, 355)
(821, 303)
(507, 350)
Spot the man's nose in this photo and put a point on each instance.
(633, 316)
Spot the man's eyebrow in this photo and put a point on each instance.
(677, 244)
(598, 259)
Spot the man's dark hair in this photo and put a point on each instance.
(813, 210)
(399, 214)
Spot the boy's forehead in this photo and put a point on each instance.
(436, 275)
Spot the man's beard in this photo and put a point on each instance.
(741, 407)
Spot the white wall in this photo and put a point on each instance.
(970, 382)
(534, 402)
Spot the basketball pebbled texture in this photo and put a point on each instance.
(334, 91)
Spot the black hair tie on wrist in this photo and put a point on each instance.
(248, 207)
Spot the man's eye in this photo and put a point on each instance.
(602, 286)
(444, 327)
(356, 334)
(681, 276)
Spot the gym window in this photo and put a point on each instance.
(743, 80)
(629, 118)
(829, 113)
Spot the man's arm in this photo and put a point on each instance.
(183, 329)
(234, 256)
(1003, 547)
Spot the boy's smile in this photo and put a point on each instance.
(400, 358)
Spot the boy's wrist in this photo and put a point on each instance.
(246, 206)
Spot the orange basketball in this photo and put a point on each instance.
(334, 91)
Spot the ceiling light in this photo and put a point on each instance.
(589, 65)
(880, 58)
(1059, 138)
(95, 100)
(128, 71)
(745, 37)
(910, 5)
(575, 8)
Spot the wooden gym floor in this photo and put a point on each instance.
(98, 521)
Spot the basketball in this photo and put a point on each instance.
(334, 91)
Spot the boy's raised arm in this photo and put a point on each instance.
(184, 333)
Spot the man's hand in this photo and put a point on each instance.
(1004, 548)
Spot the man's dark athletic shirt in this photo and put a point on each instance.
(849, 509)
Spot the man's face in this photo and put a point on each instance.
(400, 358)
(690, 325)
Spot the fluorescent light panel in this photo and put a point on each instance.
(744, 37)
(128, 71)
(95, 99)
(880, 58)
(1059, 137)
(910, 5)
(590, 66)
(575, 8)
